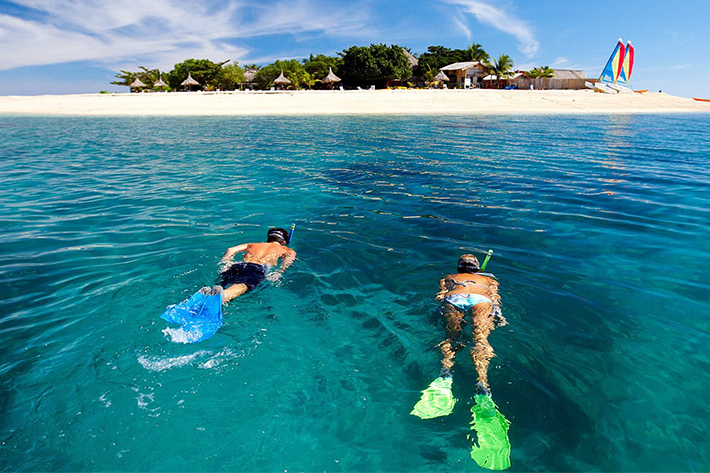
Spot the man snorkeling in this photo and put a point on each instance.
(200, 316)
(243, 276)
(470, 293)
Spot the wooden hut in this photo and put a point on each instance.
(569, 79)
(249, 78)
(466, 74)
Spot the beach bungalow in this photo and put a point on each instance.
(249, 78)
(465, 74)
(568, 79)
(413, 62)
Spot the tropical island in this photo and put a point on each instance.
(375, 66)
(375, 79)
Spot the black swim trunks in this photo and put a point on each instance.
(250, 274)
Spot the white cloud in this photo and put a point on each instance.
(560, 61)
(501, 20)
(157, 32)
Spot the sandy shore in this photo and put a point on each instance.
(351, 102)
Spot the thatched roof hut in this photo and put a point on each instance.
(330, 78)
(561, 79)
(250, 75)
(441, 77)
(413, 62)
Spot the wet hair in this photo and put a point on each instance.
(278, 235)
(468, 264)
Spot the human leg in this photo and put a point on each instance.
(482, 352)
(454, 323)
(233, 291)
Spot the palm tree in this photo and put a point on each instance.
(545, 73)
(539, 73)
(476, 53)
(429, 75)
(501, 68)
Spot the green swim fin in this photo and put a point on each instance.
(437, 400)
(492, 449)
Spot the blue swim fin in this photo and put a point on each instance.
(199, 317)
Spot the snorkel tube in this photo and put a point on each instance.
(290, 233)
(485, 262)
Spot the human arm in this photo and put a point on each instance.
(442, 290)
(287, 260)
(229, 254)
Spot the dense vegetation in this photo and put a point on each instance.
(358, 66)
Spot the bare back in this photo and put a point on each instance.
(266, 253)
(465, 283)
(262, 253)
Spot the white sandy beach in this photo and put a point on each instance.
(352, 102)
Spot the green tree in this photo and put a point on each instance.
(203, 71)
(230, 77)
(437, 57)
(545, 73)
(429, 75)
(145, 75)
(318, 65)
(293, 70)
(475, 52)
(502, 68)
(377, 63)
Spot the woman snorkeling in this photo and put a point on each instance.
(475, 294)
(467, 292)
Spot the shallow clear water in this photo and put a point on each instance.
(600, 231)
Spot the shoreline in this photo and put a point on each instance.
(355, 102)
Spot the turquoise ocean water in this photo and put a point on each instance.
(600, 227)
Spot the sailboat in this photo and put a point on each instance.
(617, 70)
(621, 84)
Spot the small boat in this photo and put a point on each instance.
(701, 100)
(615, 76)
(641, 91)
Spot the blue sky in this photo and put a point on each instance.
(77, 46)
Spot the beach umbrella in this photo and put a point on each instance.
(330, 78)
(137, 84)
(160, 83)
(281, 79)
(441, 77)
(189, 81)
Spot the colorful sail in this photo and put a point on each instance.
(625, 74)
(613, 67)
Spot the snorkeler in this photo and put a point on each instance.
(470, 293)
(243, 276)
(200, 316)
(476, 294)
